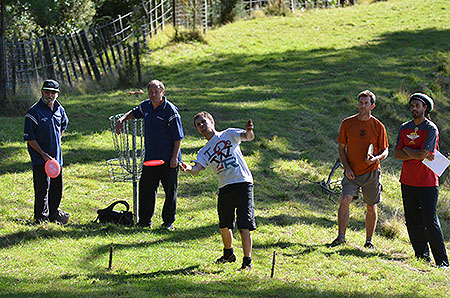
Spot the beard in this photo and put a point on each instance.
(416, 114)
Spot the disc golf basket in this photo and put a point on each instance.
(129, 146)
(331, 187)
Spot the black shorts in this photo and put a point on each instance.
(236, 197)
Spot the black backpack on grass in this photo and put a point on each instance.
(108, 215)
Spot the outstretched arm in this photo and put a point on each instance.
(191, 169)
(248, 135)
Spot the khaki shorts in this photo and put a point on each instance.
(369, 183)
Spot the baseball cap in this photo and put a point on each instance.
(425, 99)
(51, 85)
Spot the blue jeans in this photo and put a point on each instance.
(423, 225)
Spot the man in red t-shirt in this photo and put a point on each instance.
(362, 145)
(417, 140)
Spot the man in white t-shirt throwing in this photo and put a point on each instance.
(225, 158)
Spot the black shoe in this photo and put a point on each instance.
(145, 225)
(169, 227)
(369, 245)
(246, 264)
(223, 259)
(62, 217)
(245, 267)
(336, 242)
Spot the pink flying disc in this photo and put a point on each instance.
(152, 163)
(52, 168)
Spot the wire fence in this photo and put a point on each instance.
(115, 46)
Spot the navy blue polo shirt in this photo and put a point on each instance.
(162, 127)
(46, 127)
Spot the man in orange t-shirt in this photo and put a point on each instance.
(362, 145)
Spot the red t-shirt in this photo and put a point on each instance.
(424, 137)
(358, 135)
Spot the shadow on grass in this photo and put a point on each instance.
(172, 283)
(344, 250)
(94, 229)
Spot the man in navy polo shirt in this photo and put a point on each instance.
(45, 123)
(163, 135)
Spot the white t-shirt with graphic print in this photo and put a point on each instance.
(223, 154)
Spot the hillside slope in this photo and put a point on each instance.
(297, 77)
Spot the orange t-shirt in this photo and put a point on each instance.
(358, 135)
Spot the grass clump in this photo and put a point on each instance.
(188, 35)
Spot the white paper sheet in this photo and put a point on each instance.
(438, 164)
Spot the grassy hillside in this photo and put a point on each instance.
(297, 77)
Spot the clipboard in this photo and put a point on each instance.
(438, 164)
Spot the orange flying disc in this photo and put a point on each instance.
(152, 163)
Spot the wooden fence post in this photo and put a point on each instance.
(3, 64)
(111, 46)
(69, 53)
(33, 61)
(58, 62)
(63, 56)
(37, 43)
(99, 51)
(151, 17)
(80, 67)
(86, 62)
(105, 49)
(13, 68)
(174, 15)
(138, 63)
(50, 69)
(90, 55)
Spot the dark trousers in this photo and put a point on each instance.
(148, 186)
(423, 225)
(47, 194)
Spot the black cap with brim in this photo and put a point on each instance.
(50, 85)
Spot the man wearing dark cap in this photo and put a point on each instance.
(45, 123)
(417, 140)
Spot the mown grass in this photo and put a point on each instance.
(297, 77)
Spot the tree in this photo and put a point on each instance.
(49, 16)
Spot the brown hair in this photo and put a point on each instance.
(157, 83)
(203, 114)
(368, 93)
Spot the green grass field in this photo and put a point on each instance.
(297, 77)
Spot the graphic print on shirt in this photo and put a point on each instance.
(362, 133)
(413, 136)
(221, 155)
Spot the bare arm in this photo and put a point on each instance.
(191, 169)
(176, 150)
(35, 145)
(119, 125)
(409, 153)
(248, 135)
(343, 157)
(377, 158)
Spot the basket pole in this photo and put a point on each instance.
(134, 157)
